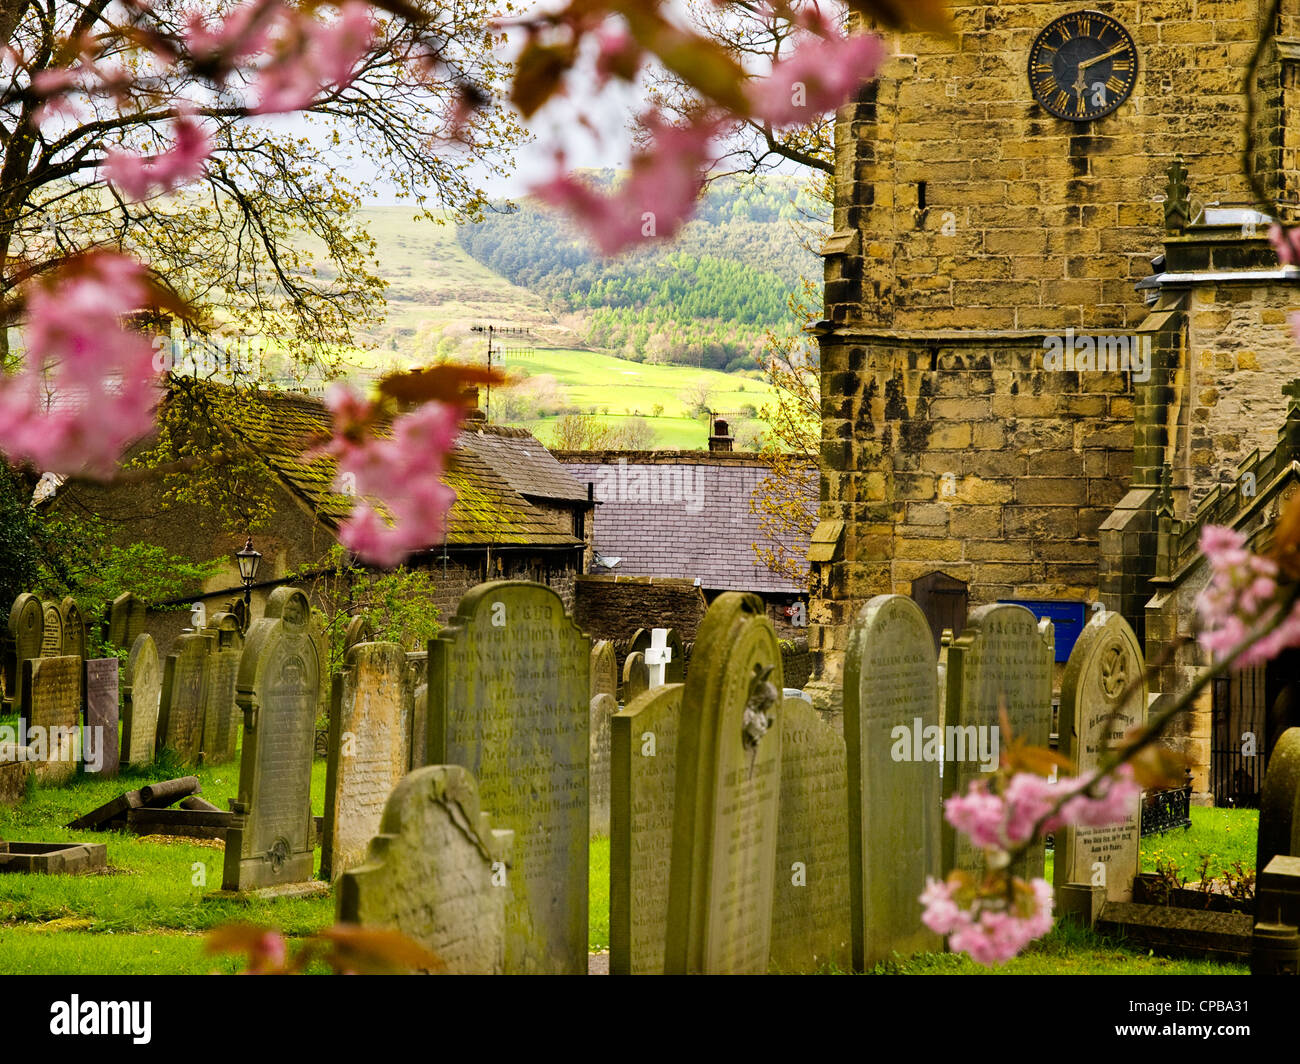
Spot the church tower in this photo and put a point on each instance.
(994, 383)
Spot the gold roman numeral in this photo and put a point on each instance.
(1085, 25)
(1048, 85)
(1122, 65)
(1114, 84)
(1064, 32)
(1042, 68)
(1062, 100)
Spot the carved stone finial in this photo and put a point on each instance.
(1178, 206)
(1165, 500)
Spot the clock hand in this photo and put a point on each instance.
(1104, 55)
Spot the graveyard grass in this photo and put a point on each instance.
(145, 914)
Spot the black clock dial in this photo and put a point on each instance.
(1082, 66)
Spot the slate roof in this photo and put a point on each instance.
(488, 509)
(682, 514)
(523, 462)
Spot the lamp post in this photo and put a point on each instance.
(248, 560)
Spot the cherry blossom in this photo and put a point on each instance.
(326, 58)
(823, 71)
(1241, 595)
(991, 930)
(138, 178)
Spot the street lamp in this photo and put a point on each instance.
(248, 560)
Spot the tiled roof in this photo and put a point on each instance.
(488, 510)
(526, 465)
(682, 514)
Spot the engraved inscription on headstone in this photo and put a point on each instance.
(810, 907)
(1097, 708)
(437, 872)
(603, 707)
(509, 700)
(74, 627)
(728, 793)
(643, 789)
(221, 717)
(279, 673)
(101, 702)
(52, 703)
(604, 671)
(141, 696)
(185, 695)
(369, 724)
(52, 639)
(891, 719)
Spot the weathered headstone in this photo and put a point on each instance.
(221, 716)
(604, 669)
(184, 696)
(100, 682)
(25, 636)
(603, 708)
(141, 697)
(279, 673)
(1279, 802)
(1097, 707)
(369, 725)
(74, 627)
(437, 872)
(358, 631)
(891, 731)
(509, 700)
(1002, 659)
(728, 793)
(419, 727)
(661, 647)
(810, 908)
(52, 704)
(126, 617)
(318, 626)
(52, 637)
(643, 789)
(636, 676)
(15, 766)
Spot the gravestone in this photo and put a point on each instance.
(891, 709)
(74, 627)
(318, 626)
(141, 698)
(1279, 802)
(272, 841)
(436, 872)
(811, 926)
(358, 631)
(100, 697)
(667, 646)
(25, 636)
(185, 696)
(604, 669)
(419, 727)
(52, 703)
(636, 676)
(126, 617)
(221, 716)
(643, 779)
(509, 699)
(603, 708)
(52, 637)
(728, 793)
(369, 729)
(1001, 659)
(1096, 710)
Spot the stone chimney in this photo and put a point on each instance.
(473, 412)
(721, 440)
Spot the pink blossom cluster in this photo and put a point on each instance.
(656, 198)
(825, 68)
(1242, 593)
(1286, 242)
(991, 932)
(400, 473)
(88, 387)
(999, 822)
(138, 177)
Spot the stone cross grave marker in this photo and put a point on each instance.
(1001, 659)
(279, 673)
(141, 697)
(1097, 707)
(369, 729)
(604, 671)
(636, 676)
(185, 696)
(52, 703)
(728, 794)
(100, 697)
(642, 793)
(221, 716)
(26, 635)
(603, 708)
(74, 627)
(663, 647)
(52, 639)
(437, 872)
(509, 699)
(894, 746)
(658, 655)
(810, 908)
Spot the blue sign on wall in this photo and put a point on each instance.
(1068, 617)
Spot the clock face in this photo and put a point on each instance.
(1082, 66)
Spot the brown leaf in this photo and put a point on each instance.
(1037, 759)
(373, 950)
(447, 382)
(1157, 767)
(237, 938)
(928, 15)
(1286, 539)
(539, 72)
